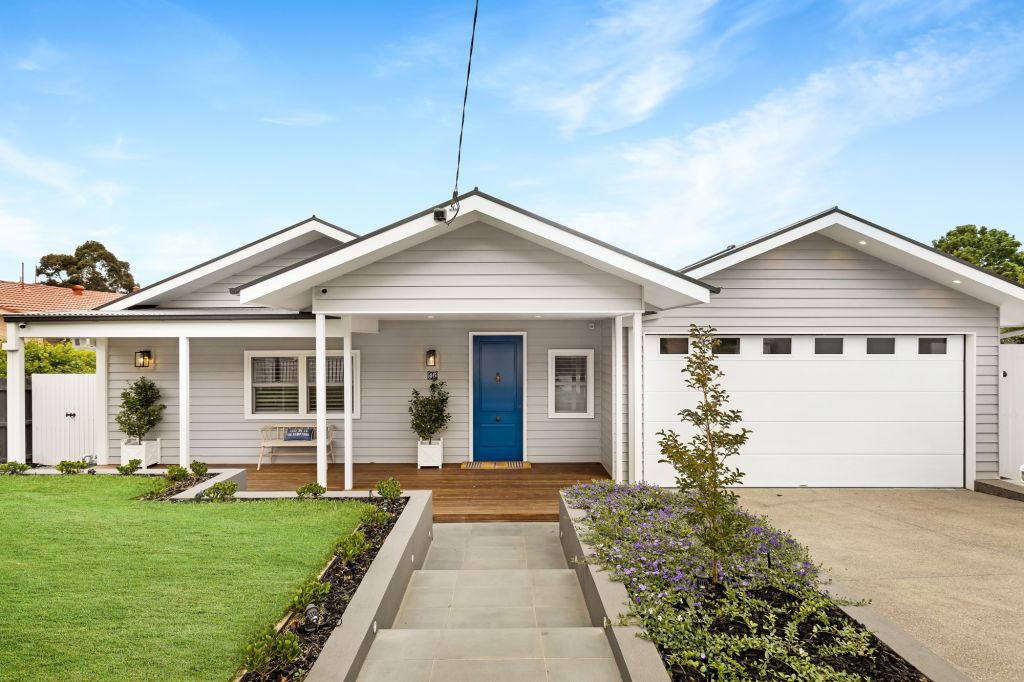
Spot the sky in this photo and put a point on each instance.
(175, 131)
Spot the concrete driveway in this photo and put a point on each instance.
(945, 565)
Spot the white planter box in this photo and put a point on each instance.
(429, 453)
(148, 451)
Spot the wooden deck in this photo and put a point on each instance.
(459, 494)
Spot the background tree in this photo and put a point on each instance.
(995, 250)
(53, 358)
(92, 265)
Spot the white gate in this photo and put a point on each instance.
(63, 410)
(1011, 410)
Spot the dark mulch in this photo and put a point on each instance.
(886, 664)
(344, 581)
(175, 488)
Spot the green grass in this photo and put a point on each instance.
(95, 585)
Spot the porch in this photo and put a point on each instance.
(459, 494)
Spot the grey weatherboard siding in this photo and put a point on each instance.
(815, 285)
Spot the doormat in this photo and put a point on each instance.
(497, 465)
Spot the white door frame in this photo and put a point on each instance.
(471, 378)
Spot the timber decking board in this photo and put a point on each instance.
(459, 494)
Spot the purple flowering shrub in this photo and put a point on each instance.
(766, 616)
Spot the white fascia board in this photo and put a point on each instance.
(747, 252)
(662, 288)
(150, 328)
(225, 263)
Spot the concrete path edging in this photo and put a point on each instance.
(375, 604)
(607, 601)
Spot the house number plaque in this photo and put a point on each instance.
(432, 376)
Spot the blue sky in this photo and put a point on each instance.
(175, 131)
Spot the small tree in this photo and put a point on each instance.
(700, 463)
(141, 410)
(429, 412)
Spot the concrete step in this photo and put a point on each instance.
(499, 598)
(521, 654)
(495, 545)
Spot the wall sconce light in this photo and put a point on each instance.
(431, 358)
(143, 358)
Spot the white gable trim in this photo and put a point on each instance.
(291, 287)
(888, 246)
(226, 261)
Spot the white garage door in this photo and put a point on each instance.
(825, 411)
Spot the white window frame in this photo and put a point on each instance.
(304, 382)
(552, 354)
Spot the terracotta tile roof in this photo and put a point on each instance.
(35, 297)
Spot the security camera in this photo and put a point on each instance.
(440, 215)
(22, 325)
(323, 290)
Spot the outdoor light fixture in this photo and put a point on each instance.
(862, 242)
(143, 358)
(431, 358)
(310, 618)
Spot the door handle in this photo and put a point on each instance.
(497, 418)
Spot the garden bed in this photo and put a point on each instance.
(767, 615)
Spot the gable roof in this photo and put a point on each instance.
(884, 244)
(661, 283)
(299, 230)
(17, 297)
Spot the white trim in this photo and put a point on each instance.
(617, 399)
(320, 353)
(100, 428)
(151, 326)
(303, 414)
(971, 409)
(184, 400)
(226, 261)
(554, 353)
(351, 403)
(525, 394)
(14, 346)
(636, 390)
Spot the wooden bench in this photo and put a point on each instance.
(272, 436)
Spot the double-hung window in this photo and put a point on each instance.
(571, 384)
(282, 384)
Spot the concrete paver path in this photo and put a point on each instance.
(494, 602)
(945, 565)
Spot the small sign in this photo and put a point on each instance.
(432, 376)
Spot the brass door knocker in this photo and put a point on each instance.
(497, 377)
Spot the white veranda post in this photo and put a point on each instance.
(636, 431)
(15, 349)
(102, 407)
(321, 399)
(347, 380)
(617, 399)
(184, 400)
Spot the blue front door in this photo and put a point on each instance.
(497, 398)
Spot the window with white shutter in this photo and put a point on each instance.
(282, 384)
(571, 383)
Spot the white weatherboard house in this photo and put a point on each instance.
(859, 357)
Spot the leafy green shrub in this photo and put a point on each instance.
(141, 410)
(389, 489)
(429, 413)
(374, 517)
(286, 648)
(220, 492)
(130, 468)
(351, 547)
(176, 474)
(198, 468)
(257, 652)
(13, 468)
(700, 463)
(310, 490)
(71, 466)
(311, 592)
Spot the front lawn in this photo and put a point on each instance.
(97, 585)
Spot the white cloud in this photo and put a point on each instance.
(615, 72)
(39, 58)
(57, 175)
(24, 240)
(304, 118)
(734, 178)
(115, 151)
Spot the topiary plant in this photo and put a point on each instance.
(175, 473)
(351, 547)
(311, 592)
(429, 413)
(71, 466)
(310, 490)
(198, 468)
(390, 489)
(130, 468)
(141, 410)
(13, 468)
(221, 492)
(373, 517)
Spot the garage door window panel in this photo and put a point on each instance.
(828, 346)
(777, 346)
(728, 345)
(673, 345)
(881, 346)
(931, 346)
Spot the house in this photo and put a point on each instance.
(20, 297)
(859, 357)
